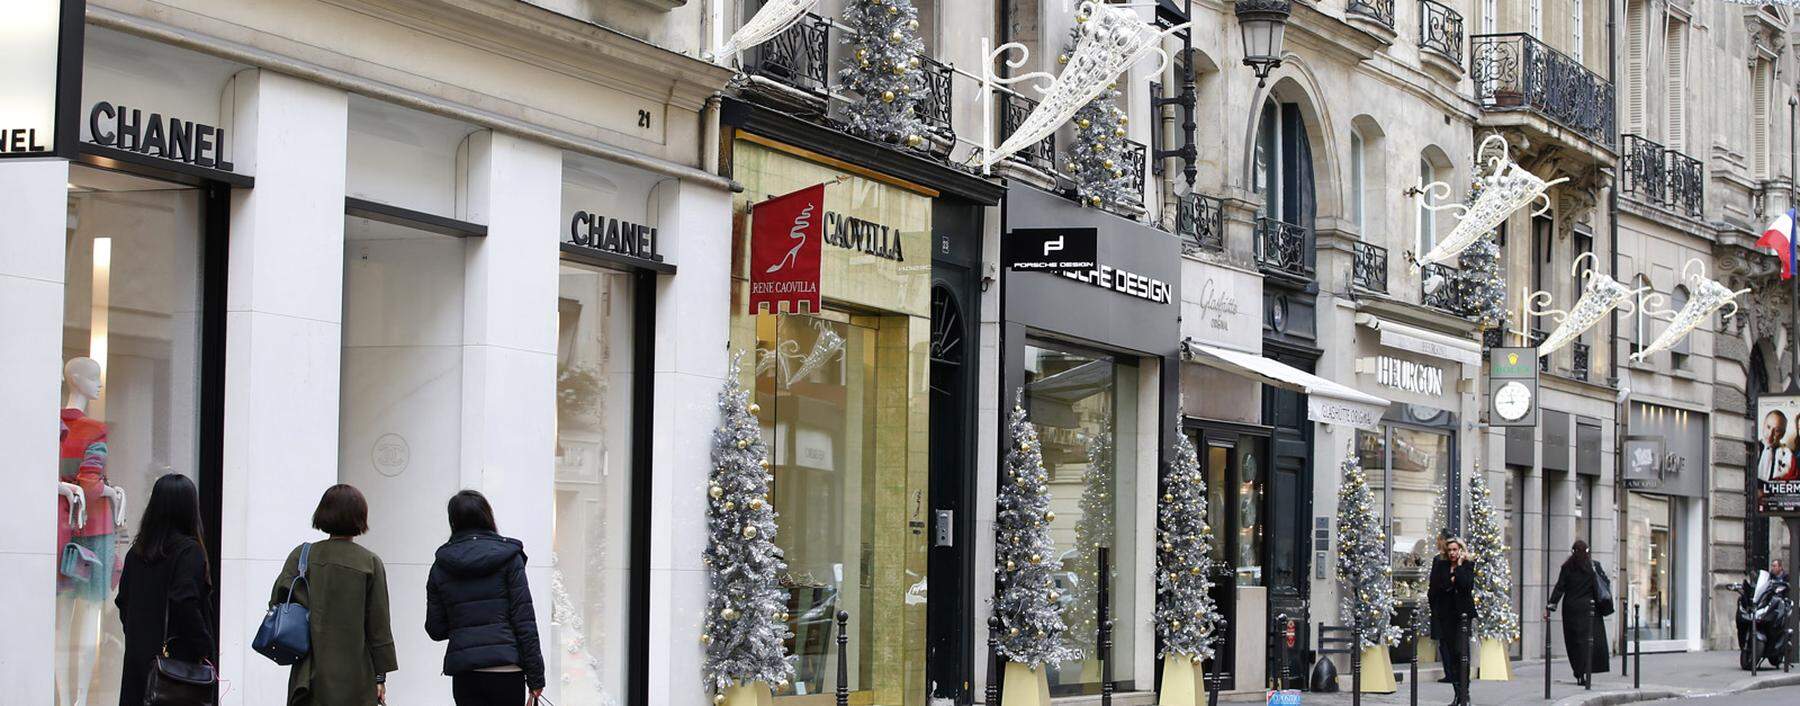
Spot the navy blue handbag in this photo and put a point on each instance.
(286, 632)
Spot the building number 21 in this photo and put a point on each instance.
(643, 119)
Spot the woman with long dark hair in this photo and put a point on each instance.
(1579, 582)
(477, 598)
(165, 589)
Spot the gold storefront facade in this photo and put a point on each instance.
(845, 408)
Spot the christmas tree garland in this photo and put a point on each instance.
(884, 71)
(1186, 616)
(1031, 625)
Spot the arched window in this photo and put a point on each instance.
(1427, 237)
(1356, 182)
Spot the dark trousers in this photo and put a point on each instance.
(488, 688)
(1455, 651)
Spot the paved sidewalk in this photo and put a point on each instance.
(1664, 676)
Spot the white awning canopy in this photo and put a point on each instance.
(1421, 341)
(1328, 402)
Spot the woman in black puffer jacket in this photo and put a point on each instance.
(477, 599)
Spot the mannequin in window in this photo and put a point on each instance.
(91, 512)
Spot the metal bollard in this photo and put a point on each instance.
(843, 645)
(1356, 668)
(1281, 661)
(1637, 652)
(993, 675)
(1104, 620)
(1212, 682)
(1624, 638)
(1546, 654)
(1412, 668)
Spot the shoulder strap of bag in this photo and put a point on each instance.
(300, 573)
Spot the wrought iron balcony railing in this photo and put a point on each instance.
(1441, 30)
(1379, 10)
(1200, 221)
(1662, 177)
(1493, 337)
(1282, 247)
(1687, 184)
(1538, 336)
(1441, 287)
(935, 108)
(1578, 365)
(1013, 110)
(1518, 72)
(1135, 153)
(1369, 268)
(799, 58)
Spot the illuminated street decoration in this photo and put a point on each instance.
(1708, 296)
(771, 20)
(1600, 294)
(1507, 188)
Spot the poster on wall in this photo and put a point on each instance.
(1777, 441)
(786, 243)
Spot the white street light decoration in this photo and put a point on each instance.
(1708, 296)
(1111, 40)
(1600, 294)
(1507, 188)
(771, 20)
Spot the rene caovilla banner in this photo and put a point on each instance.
(1777, 444)
(787, 235)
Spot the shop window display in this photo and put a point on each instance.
(131, 352)
(1084, 407)
(1652, 566)
(590, 585)
(1408, 468)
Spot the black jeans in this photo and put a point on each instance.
(488, 689)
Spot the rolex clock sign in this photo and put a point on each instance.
(1512, 387)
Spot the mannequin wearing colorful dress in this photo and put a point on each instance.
(91, 512)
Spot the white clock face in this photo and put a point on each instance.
(1512, 401)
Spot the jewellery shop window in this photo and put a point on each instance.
(593, 484)
(1084, 405)
(130, 398)
(1408, 469)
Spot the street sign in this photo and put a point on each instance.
(1051, 249)
(1777, 475)
(1512, 387)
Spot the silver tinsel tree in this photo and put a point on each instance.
(1481, 277)
(1494, 614)
(1365, 573)
(1031, 624)
(746, 611)
(883, 70)
(1097, 158)
(1093, 531)
(1186, 617)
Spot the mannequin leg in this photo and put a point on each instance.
(66, 606)
(77, 648)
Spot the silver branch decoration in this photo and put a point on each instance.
(769, 21)
(1111, 40)
(1600, 294)
(1507, 188)
(1708, 296)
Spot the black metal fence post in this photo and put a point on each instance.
(843, 665)
(1281, 659)
(1104, 621)
(1355, 667)
(1213, 681)
(1624, 638)
(1546, 654)
(1412, 668)
(993, 675)
(1637, 651)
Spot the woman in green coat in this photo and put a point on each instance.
(345, 590)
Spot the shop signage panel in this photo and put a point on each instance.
(787, 235)
(1643, 462)
(170, 137)
(1221, 305)
(1777, 475)
(40, 80)
(1681, 469)
(1051, 249)
(1417, 378)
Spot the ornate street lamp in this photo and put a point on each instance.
(1262, 23)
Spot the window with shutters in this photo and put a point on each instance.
(1675, 69)
(1356, 182)
(1490, 16)
(1427, 217)
(1575, 23)
(1635, 40)
(1537, 18)
(1759, 119)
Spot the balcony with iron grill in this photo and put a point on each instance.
(1200, 223)
(1521, 82)
(1014, 108)
(1580, 360)
(1663, 178)
(1441, 38)
(796, 62)
(1442, 287)
(1369, 267)
(1373, 16)
(1283, 249)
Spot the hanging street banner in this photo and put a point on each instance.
(1051, 249)
(787, 236)
(40, 80)
(1777, 439)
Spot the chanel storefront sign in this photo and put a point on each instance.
(172, 138)
(613, 235)
(40, 77)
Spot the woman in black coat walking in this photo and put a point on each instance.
(165, 588)
(1578, 581)
(477, 598)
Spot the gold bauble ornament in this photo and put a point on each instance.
(755, 408)
(718, 698)
(743, 443)
(1109, 165)
(863, 62)
(764, 462)
(716, 492)
(898, 70)
(913, 62)
(1069, 167)
(728, 614)
(895, 37)
(1013, 632)
(1168, 547)
(1054, 595)
(749, 531)
(1081, 18)
(1123, 120)
(1094, 200)
(729, 506)
(1011, 566)
(705, 639)
(1195, 571)
(1062, 59)
(862, 53)
(887, 96)
(756, 503)
(1118, 132)
(1174, 625)
(893, 10)
(1083, 123)
(914, 140)
(1168, 497)
(1035, 558)
(1118, 173)
(1049, 516)
(912, 24)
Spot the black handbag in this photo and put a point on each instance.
(174, 682)
(1603, 592)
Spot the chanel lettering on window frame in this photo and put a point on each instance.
(172, 138)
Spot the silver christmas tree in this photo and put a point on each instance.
(1097, 160)
(1481, 277)
(746, 611)
(1093, 531)
(884, 70)
(1365, 574)
(1031, 624)
(1186, 617)
(1494, 614)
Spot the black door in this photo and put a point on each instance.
(1288, 545)
(955, 260)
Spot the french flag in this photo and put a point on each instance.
(1779, 236)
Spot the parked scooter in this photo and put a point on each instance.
(1764, 608)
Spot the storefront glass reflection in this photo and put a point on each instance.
(131, 340)
(1651, 543)
(1408, 469)
(1084, 406)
